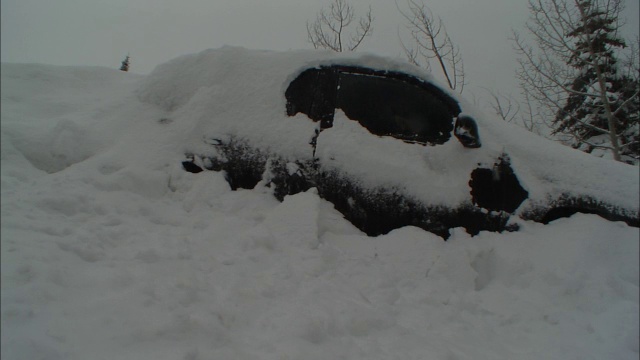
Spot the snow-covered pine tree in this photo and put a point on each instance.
(125, 64)
(601, 111)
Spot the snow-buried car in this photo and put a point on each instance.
(378, 138)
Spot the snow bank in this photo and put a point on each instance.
(111, 251)
(208, 273)
(59, 116)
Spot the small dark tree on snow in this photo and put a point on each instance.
(125, 64)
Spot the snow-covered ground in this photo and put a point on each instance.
(111, 251)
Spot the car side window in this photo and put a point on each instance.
(314, 93)
(385, 103)
(391, 107)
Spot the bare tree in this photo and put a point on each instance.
(511, 110)
(573, 63)
(504, 106)
(328, 31)
(430, 41)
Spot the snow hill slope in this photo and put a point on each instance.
(110, 250)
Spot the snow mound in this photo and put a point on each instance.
(110, 250)
(239, 93)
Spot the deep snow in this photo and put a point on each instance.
(111, 251)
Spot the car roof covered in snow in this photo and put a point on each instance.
(240, 92)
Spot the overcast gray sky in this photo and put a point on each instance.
(92, 32)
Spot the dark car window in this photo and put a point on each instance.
(386, 103)
(314, 93)
(387, 106)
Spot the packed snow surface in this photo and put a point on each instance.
(110, 250)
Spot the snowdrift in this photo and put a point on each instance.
(110, 250)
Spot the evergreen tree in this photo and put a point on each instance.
(601, 109)
(125, 64)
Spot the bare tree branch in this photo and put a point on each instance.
(504, 106)
(430, 41)
(510, 110)
(328, 30)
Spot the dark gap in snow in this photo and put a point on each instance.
(567, 205)
(568, 211)
(497, 189)
(191, 167)
(239, 178)
(385, 103)
(242, 164)
(287, 181)
(564, 212)
(379, 211)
